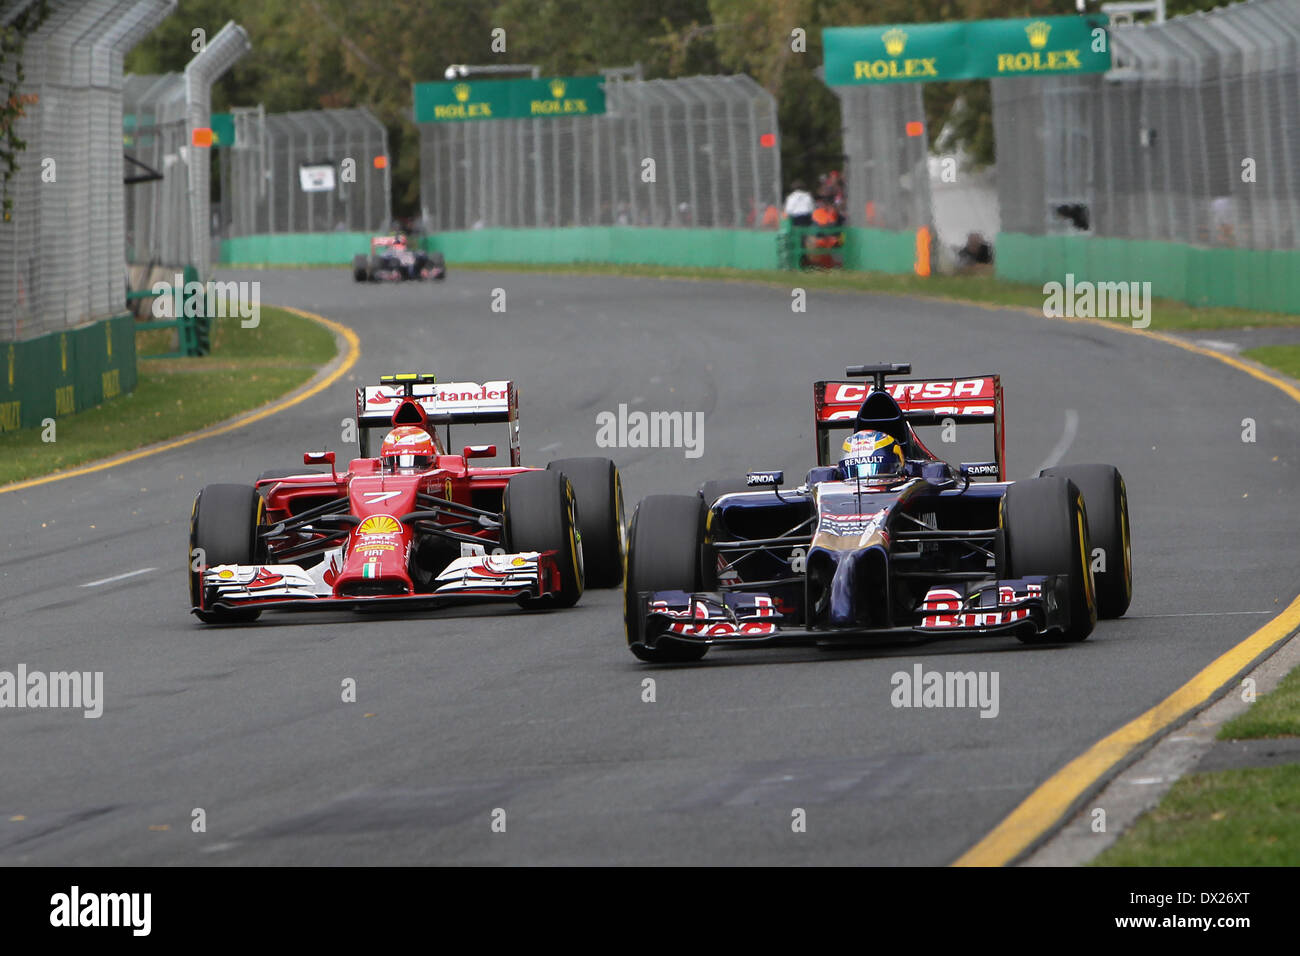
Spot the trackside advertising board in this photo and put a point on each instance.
(964, 50)
(471, 99)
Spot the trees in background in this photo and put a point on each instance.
(316, 54)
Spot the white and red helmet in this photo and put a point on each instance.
(407, 449)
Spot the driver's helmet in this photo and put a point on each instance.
(407, 449)
(871, 456)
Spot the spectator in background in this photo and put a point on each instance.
(835, 191)
(799, 204)
(825, 214)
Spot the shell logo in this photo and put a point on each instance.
(518, 562)
(380, 524)
(225, 574)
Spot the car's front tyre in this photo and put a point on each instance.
(1045, 528)
(663, 554)
(539, 514)
(224, 525)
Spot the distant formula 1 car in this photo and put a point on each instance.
(415, 525)
(886, 542)
(391, 258)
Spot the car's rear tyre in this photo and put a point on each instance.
(601, 529)
(1106, 501)
(663, 554)
(223, 530)
(539, 513)
(360, 268)
(1045, 528)
(712, 490)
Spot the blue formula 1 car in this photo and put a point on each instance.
(882, 540)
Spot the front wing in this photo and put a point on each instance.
(489, 577)
(1035, 605)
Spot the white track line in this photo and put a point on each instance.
(117, 577)
(1062, 446)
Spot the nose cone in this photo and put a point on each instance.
(859, 591)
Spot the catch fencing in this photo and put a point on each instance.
(886, 165)
(168, 205)
(61, 257)
(695, 152)
(309, 171)
(1193, 136)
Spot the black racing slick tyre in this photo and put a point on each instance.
(539, 513)
(223, 530)
(601, 529)
(1106, 501)
(1045, 527)
(360, 268)
(663, 554)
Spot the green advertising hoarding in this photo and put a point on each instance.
(471, 99)
(965, 50)
(223, 129)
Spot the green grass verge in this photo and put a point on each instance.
(1168, 315)
(1275, 714)
(1230, 818)
(247, 368)
(1284, 358)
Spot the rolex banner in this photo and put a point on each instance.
(965, 50)
(472, 99)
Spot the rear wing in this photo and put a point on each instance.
(443, 403)
(935, 401)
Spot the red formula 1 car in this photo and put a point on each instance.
(414, 525)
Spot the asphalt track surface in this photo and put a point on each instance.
(541, 715)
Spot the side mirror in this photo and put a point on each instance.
(773, 479)
(479, 451)
(320, 458)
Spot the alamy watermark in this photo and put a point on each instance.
(1101, 300)
(922, 688)
(241, 300)
(638, 429)
(76, 908)
(21, 689)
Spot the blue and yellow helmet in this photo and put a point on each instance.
(871, 456)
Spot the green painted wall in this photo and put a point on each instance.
(1268, 280)
(718, 248)
(65, 372)
(733, 248)
(305, 248)
(867, 249)
(879, 250)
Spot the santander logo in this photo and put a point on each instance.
(472, 392)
